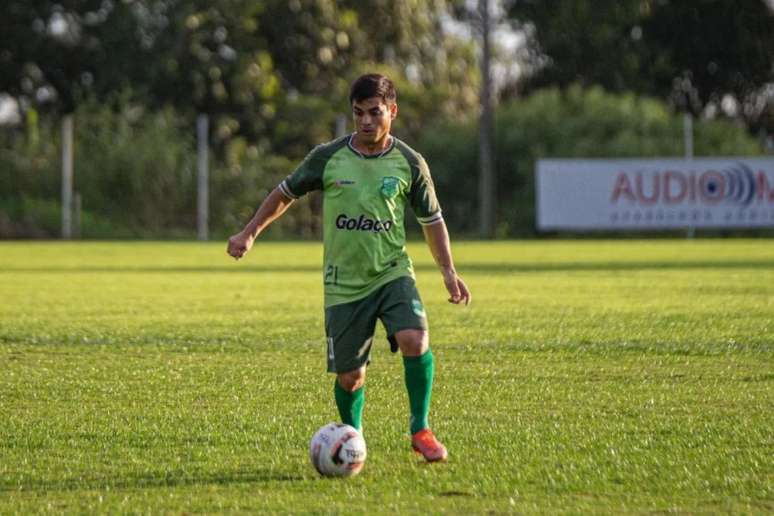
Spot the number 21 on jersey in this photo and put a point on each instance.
(331, 274)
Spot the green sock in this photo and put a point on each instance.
(350, 405)
(419, 383)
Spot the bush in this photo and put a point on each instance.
(136, 174)
(29, 217)
(575, 123)
(136, 170)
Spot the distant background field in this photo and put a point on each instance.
(595, 375)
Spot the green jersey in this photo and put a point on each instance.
(364, 201)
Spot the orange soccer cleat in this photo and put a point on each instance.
(424, 442)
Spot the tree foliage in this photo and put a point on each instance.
(246, 63)
(274, 75)
(694, 53)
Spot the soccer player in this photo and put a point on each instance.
(367, 178)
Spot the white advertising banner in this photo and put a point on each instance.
(631, 194)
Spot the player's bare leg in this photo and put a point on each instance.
(352, 380)
(418, 364)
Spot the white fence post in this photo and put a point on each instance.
(77, 206)
(341, 125)
(688, 143)
(67, 176)
(486, 178)
(202, 201)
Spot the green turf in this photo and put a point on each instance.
(587, 376)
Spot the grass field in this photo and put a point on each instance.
(593, 376)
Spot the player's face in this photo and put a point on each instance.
(373, 119)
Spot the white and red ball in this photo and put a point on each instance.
(337, 450)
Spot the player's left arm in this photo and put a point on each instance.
(437, 238)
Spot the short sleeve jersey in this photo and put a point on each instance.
(364, 200)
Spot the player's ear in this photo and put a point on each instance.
(393, 110)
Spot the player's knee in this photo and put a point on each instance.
(352, 380)
(413, 343)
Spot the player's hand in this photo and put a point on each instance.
(239, 244)
(457, 289)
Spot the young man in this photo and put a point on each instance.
(367, 178)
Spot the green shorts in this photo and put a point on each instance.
(349, 327)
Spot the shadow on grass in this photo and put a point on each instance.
(451, 494)
(171, 479)
(469, 267)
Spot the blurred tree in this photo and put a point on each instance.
(413, 36)
(273, 76)
(713, 55)
(48, 52)
(242, 61)
(320, 46)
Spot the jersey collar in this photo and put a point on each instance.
(370, 156)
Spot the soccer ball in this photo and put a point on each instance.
(337, 450)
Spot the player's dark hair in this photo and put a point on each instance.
(373, 85)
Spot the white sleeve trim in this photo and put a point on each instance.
(435, 218)
(283, 186)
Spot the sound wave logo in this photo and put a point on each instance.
(739, 185)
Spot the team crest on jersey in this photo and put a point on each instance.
(390, 186)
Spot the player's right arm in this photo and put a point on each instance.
(270, 210)
(307, 177)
